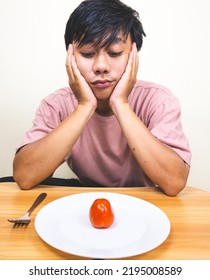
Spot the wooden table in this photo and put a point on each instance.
(189, 214)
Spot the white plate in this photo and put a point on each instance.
(139, 226)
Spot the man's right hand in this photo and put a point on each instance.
(77, 82)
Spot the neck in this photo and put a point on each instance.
(103, 108)
(105, 113)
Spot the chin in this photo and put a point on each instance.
(103, 94)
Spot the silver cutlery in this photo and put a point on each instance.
(25, 219)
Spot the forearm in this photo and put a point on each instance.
(38, 160)
(160, 163)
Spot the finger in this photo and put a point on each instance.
(130, 68)
(72, 64)
(74, 67)
(135, 60)
(68, 55)
(68, 60)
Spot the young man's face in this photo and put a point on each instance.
(103, 67)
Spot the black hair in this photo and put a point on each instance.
(100, 21)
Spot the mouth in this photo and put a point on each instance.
(102, 83)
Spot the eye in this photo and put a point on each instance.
(88, 54)
(115, 54)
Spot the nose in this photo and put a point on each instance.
(101, 64)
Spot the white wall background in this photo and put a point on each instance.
(175, 53)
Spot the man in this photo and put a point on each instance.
(111, 129)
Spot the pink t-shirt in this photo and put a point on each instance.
(101, 155)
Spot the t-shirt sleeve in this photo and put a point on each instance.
(46, 119)
(165, 124)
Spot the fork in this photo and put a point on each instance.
(25, 219)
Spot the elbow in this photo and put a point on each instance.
(23, 184)
(22, 176)
(174, 187)
(23, 180)
(173, 190)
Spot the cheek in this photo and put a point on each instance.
(83, 67)
(121, 65)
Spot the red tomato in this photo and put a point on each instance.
(101, 214)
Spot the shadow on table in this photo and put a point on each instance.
(51, 181)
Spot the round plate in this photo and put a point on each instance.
(139, 226)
